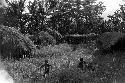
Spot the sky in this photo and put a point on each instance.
(4, 75)
(111, 6)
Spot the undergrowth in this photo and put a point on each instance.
(64, 67)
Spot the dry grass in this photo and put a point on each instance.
(27, 69)
(64, 67)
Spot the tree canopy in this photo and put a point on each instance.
(65, 16)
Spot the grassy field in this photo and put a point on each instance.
(64, 63)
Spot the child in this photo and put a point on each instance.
(47, 68)
(82, 64)
(85, 65)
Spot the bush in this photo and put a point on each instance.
(14, 44)
(46, 39)
(75, 75)
(68, 75)
(110, 42)
(43, 39)
(25, 70)
(56, 50)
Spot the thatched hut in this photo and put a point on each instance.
(13, 44)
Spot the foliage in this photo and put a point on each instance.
(28, 68)
(78, 39)
(56, 19)
(32, 22)
(23, 70)
(14, 14)
(2, 11)
(78, 16)
(74, 75)
(68, 16)
(27, 22)
(46, 39)
(14, 44)
(68, 75)
(108, 39)
(53, 51)
(116, 21)
(64, 67)
(43, 39)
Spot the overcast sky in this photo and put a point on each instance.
(111, 6)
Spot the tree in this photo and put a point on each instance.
(14, 14)
(117, 20)
(58, 18)
(71, 17)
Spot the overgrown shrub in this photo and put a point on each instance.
(14, 44)
(43, 39)
(111, 42)
(46, 39)
(68, 75)
(56, 50)
(103, 74)
(25, 70)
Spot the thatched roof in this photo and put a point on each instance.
(12, 40)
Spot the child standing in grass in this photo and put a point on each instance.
(81, 64)
(46, 68)
(84, 66)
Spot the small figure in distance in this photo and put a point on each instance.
(46, 68)
(86, 65)
(82, 64)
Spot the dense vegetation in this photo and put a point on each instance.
(62, 32)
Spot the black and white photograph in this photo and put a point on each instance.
(62, 41)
